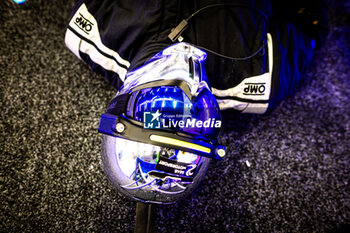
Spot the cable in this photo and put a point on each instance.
(262, 48)
(176, 32)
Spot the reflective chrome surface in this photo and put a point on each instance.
(131, 168)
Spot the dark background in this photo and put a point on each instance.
(52, 179)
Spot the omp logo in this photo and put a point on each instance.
(83, 23)
(254, 89)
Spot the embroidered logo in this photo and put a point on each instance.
(254, 89)
(83, 23)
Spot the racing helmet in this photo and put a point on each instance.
(161, 129)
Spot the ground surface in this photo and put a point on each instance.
(51, 175)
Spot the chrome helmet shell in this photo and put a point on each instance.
(161, 129)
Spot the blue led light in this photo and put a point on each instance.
(19, 1)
